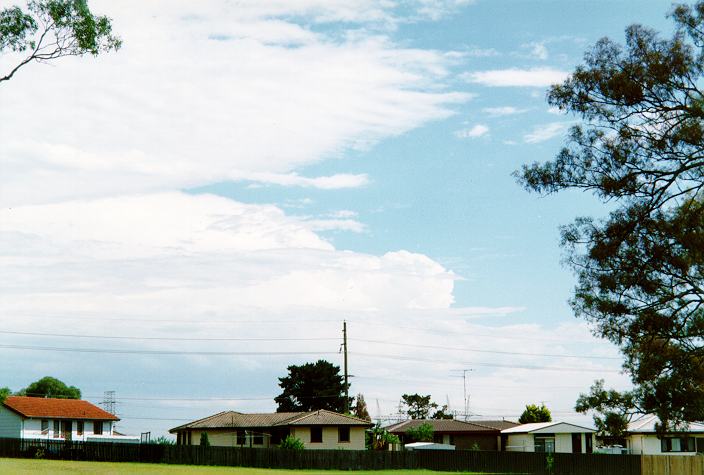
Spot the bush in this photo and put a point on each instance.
(161, 440)
(422, 433)
(204, 439)
(291, 443)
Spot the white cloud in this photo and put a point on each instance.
(538, 50)
(544, 132)
(477, 131)
(514, 77)
(502, 111)
(351, 225)
(175, 108)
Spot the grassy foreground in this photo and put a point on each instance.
(24, 466)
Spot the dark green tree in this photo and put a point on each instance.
(612, 410)
(417, 406)
(4, 392)
(312, 386)
(204, 440)
(50, 387)
(50, 29)
(640, 148)
(534, 413)
(422, 433)
(442, 413)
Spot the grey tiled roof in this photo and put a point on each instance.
(230, 419)
(449, 425)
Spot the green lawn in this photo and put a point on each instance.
(24, 466)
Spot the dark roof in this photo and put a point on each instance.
(445, 426)
(230, 419)
(57, 408)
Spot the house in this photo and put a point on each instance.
(642, 438)
(317, 430)
(482, 435)
(57, 419)
(428, 446)
(559, 437)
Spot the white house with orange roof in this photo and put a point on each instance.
(24, 417)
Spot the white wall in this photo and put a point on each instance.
(330, 438)
(642, 444)
(32, 429)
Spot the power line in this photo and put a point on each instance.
(495, 365)
(166, 352)
(552, 355)
(156, 338)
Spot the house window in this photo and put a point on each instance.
(45, 427)
(241, 437)
(700, 445)
(257, 438)
(57, 429)
(589, 443)
(97, 427)
(343, 434)
(316, 435)
(438, 438)
(79, 427)
(545, 443)
(677, 444)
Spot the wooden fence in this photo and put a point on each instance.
(672, 465)
(459, 460)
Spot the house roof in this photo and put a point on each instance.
(57, 408)
(646, 425)
(230, 419)
(446, 426)
(547, 427)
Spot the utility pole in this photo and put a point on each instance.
(347, 386)
(109, 401)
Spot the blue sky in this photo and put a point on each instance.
(259, 172)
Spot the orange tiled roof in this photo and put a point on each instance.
(57, 408)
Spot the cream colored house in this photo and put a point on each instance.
(317, 430)
(560, 437)
(643, 439)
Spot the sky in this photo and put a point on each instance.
(184, 218)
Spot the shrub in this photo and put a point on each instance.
(291, 443)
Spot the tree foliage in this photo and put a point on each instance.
(422, 433)
(291, 442)
(640, 147)
(50, 387)
(310, 387)
(4, 392)
(360, 408)
(416, 406)
(50, 29)
(378, 438)
(613, 410)
(534, 413)
(204, 440)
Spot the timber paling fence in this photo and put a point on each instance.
(459, 460)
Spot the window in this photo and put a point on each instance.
(545, 443)
(316, 435)
(257, 438)
(98, 427)
(45, 427)
(57, 429)
(241, 437)
(437, 438)
(79, 427)
(343, 434)
(700, 445)
(677, 444)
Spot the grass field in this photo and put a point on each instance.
(24, 466)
